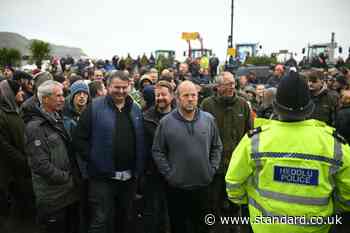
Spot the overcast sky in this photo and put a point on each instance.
(104, 28)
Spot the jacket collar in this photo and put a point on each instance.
(226, 100)
(178, 115)
(128, 103)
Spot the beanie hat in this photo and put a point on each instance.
(293, 101)
(14, 86)
(79, 86)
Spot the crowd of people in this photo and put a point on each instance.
(82, 144)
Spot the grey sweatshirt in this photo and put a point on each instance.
(187, 153)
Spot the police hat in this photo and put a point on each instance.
(293, 100)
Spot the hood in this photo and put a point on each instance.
(189, 124)
(30, 108)
(68, 109)
(148, 95)
(7, 98)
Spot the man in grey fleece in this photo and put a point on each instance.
(187, 150)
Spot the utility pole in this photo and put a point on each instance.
(231, 36)
(232, 63)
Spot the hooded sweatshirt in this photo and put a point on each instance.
(12, 156)
(187, 153)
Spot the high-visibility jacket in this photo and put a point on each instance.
(284, 169)
(204, 62)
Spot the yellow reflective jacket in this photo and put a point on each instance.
(204, 62)
(291, 169)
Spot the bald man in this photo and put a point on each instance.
(187, 151)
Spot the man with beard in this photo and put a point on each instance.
(155, 206)
(232, 114)
(325, 102)
(187, 151)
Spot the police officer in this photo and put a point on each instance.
(291, 167)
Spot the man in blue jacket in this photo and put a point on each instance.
(110, 136)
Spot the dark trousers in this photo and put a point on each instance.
(22, 211)
(65, 220)
(155, 213)
(344, 227)
(4, 208)
(221, 205)
(187, 209)
(84, 207)
(111, 205)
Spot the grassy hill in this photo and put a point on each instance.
(17, 41)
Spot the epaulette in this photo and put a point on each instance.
(340, 138)
(254, 131)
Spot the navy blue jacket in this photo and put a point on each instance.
(93, 137)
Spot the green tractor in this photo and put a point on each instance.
(164, 59)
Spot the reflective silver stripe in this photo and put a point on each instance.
(255, 143)
(267, 213)
(281, 196)
(293, 199)
(337, 155)
(232, 186)
(257, 206)
(255, 149)
(320, 158)
(239, 198)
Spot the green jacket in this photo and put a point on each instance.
(233, 120)
(325, 107)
